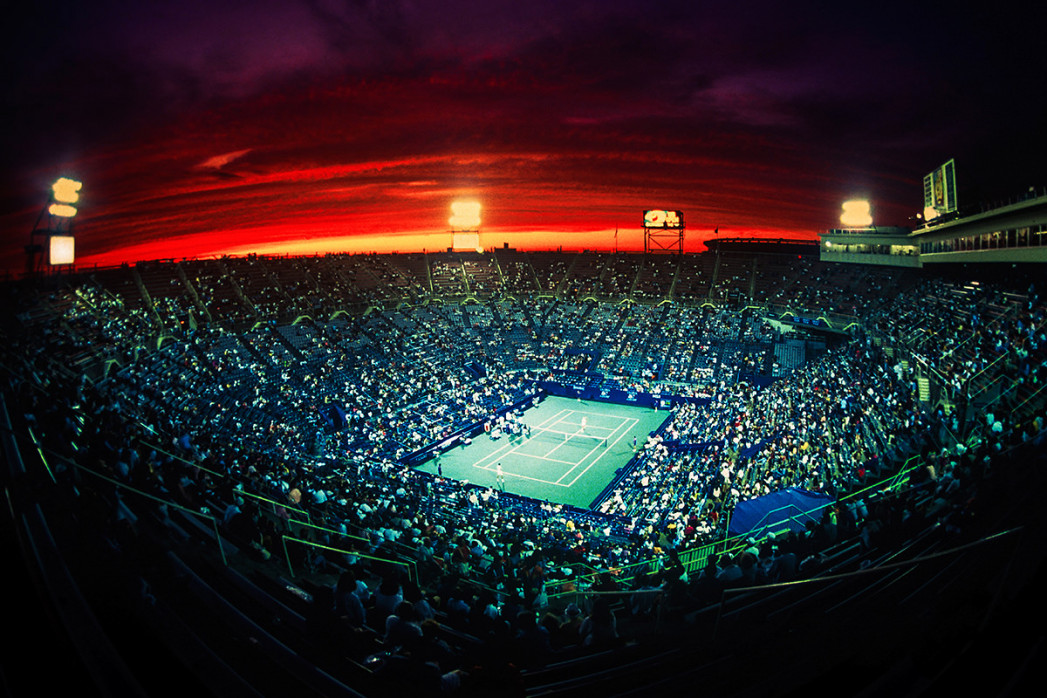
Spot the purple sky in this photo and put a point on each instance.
(203, 127)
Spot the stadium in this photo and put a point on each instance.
(776, 467)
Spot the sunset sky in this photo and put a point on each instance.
(226, 127)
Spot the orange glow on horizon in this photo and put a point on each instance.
(235, 202)
(293, 240)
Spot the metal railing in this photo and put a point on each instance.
(409, 566)
(694, 559)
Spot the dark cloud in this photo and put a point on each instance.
(758, 113)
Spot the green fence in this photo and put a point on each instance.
(694, 559)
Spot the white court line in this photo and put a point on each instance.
(503, 450)
(513, 449)
(604, 415)
(590, 424)
(555, 416)
(572, 463)
(509, 447)
(558, 423)
(612, 430)
(634, 421)
(625, 423)
(590, 430)
(536, 479)
(597, 460)
(577, 426)
(579, 462)
(599, 418)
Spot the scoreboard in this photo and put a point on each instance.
(659, 218)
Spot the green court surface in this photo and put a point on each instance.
(571, 455)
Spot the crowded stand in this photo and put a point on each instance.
(283, 398)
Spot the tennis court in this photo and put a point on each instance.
(568, 453)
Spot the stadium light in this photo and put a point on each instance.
(64, 193)
(62, 250)
(55, 223)
(856, 214)
(465, 215)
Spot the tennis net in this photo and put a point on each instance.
(555, 437)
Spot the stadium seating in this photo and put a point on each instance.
(236, 430)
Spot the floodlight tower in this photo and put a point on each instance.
(55, 223)
(465, 225)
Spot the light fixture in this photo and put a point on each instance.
(856, 214)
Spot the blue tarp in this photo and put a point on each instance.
(787, 508)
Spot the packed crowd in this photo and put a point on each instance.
(320, 419)
(832, 420)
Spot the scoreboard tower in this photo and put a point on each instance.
(662, 231)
